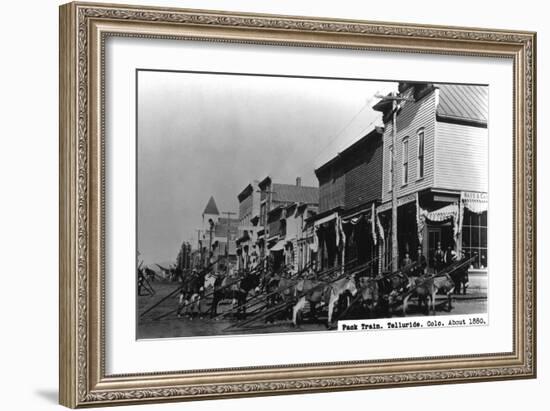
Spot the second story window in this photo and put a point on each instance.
(405, 160)
(390, 175)
(421, 153)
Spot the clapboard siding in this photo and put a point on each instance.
(363, 174)
(331, 189)
(461, 157)
(354, 177)
(245, 209)
(411, 118)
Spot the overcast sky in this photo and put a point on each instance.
(208, 134)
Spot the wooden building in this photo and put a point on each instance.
(278, 203)
(442, 170)
(350, 188)
(249, 211)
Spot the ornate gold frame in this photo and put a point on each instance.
(83, 29)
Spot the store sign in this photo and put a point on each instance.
(466, 195)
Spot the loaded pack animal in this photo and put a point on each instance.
(270, 287)
(236, 288)
(222, 290)
(249, 282)
(426, 287)
(392, 288)
(279, 288)
(370, 298)
(312, 291)
(190, 294)
(340, 292)
(332, 293)
(460, 276)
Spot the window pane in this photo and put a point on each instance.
(475, 237)
(483, 236)
(483, 219)
(467, 218)
(466, 237)
(467, 253)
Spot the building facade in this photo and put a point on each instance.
(281, 220)
(350, 187)
(441, 174)
(249, 211)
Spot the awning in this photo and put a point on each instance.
(443, 214)
(355, 216)
(243, 238)
(273, 238)
(448, 212)
(400, 201)
(280, 245)
(290, 238)
(476, 206)
(326, 219)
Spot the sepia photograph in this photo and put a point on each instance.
(286, 204)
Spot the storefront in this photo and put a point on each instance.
(276, 253)
(326, 243)
(473, 232)
(452, 220)
(362, 238)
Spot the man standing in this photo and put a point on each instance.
(421, 261)
(406, 261)
(439, 258)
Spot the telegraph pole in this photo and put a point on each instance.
(395, 99)
(394, 245)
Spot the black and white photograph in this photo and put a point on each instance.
(285, 204)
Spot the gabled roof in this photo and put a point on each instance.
(211, 207)
(469, 103)
(463, 103)
(290, 193)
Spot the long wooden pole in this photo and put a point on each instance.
(204, 296)
(284, 305)
(175, 291)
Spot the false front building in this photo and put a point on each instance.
(249, 210)
(441, 173)
(282, 230)
(350, 188)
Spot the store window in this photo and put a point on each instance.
(474, 238)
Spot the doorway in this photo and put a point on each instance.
(439, 233)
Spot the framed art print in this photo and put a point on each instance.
(260, 204)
